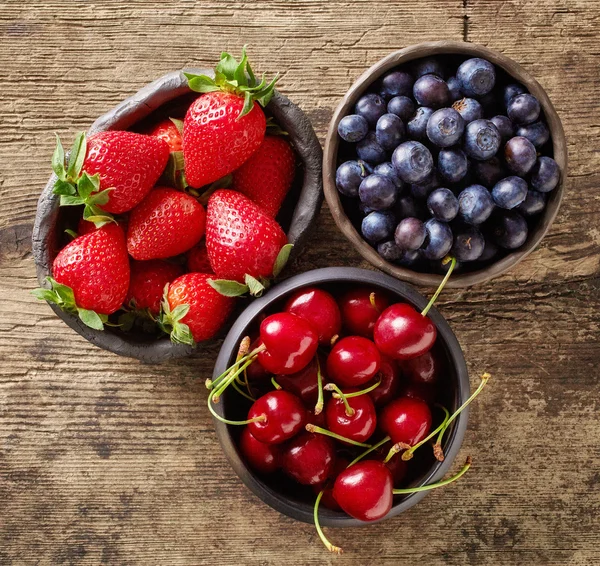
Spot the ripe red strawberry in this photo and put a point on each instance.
(225, 125)
(266, 177)
(147, 283)
(167, 130)
(192, 310)
(197, 259)
(166, 223)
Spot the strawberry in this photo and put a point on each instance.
(147, 283)
(197, 259)
(225, 125)
(169, 131)
(91, 276)
(166, 223)
(192, 310)
(267, 175)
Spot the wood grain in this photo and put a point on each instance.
(104, 460)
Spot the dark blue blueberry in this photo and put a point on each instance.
(537, 133)
(353, 128)
(377, 192)
(469, 109)
(445, 127)
(413, 162)
(534, 204)
(511, 91)
(523, 109)
(428, 66)
(476, 76)
(545, 175)
(389, 251)
(475, 204)
(417, 126)
(423, 190)
(387, 170)
(454, 89)
(452, 164)
(410, 234)
(406, 206)
(520, 155)
(364, 209)
(509, 192)
(371, 107)
(468, 244)
(411, 258)
(489, 172)
(402, 106)
(349, 176)
(509, 229)
(490, 251)
(396, 83)
(438, 240)
(505, 127)
(482, 140)
(378, 226)
(369, 150)
(389, 131)
(443, 205)
(432, 91)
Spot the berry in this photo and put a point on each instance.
(353, 360)
(413, 162)
(476, 77)
(167, 131)
(197, 259)
(416, 128)
(431, 90)
(378, 226)
(396, 83)
(428, 66)
(452, 164)
(509, 192)
(387, 170)
(389, 131)
(454, 89)
(523, 109)
(468, 244)
(403, 106)
(406, 420)
(438, 240)
(389, 251)
(147, 283)
(285, 417)
(482, 139)
(358, 426)
(489, 172)
(520, 155)
(510, 91)
(410, 234)
(370, 150)
(537, 133)
(349, 176)
(423, 370)
(262, 458)
(309, 458)
(304, 383)
(504, 126)
(423, 189)
(475, 204)
(545, 175)
(389, 375)
(319, 309)
(509, 229)
(490, 251)
(443, 205)
(407, 206)
(377, 192)
(353, 128)
(469, 109)
(371, 107)
(534, 204)
(359, 312)
(445, 127)
(411, 259)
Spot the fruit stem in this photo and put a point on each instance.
(324, 540)
(211, 384)
(235, 385)
(260, 419)
(333, 387)
(373, 303)
(437, 484)
(441, 287)
(408, 454)
(366, 452)
(317, 429)
(395, 449)
(319, 405)
(358, 393)
(223, 384)
(275, 384)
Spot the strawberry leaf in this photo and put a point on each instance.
(179, 312)
(77, 156)
(227, 66)
(86, 186)
(64, 188)
(100, 198)
(93, 213)
(282, 259)
(70, 200)
(201, 83)
(240, 71)
(178, 124)
(255, 287)
(248, 105)
(228, 288)
(44, 295)
(181, 334)
(178, 160)
(126, 320)
(58, 160)
(92, 319)
(71, 233)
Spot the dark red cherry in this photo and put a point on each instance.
(309, 458)
(398, 467)
(389, 375)
(264, 458)
(285, 417)
(406, 420)
(304, 383)
(358, 313)
(317, 420)
(402, 333)
(319, 308)
(327, 499)
(365, 490)
(353, 361)
(423, 369)
(422, 391)
(291, 343)
(255, 371)
(360, 425)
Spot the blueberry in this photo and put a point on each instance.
(402, 106)
(413, 162)
(443, 205)
(454, 89)
(511, 91)
(482, 139)
(428, 66)
(520, 155)
(410, 234)
(469, 109)
(438, 240)
(489, 103)
(377, 192)
(389, 131)
(353, 128)
(396, 83)
(508, 193)
(509, 229)
(537, 133)
(523, 109)
(476, 76)
(411, 258)
(504, 126)
(369, 150)
(545, 174)
(432, 91)
(389, 251)
(364, 209)
(452, 164)
(475, 204)
(406, 206)
(423, 190)
(349, 176)
(417, 126)
(489, 172)
(468, 244)
(387, 170)
(378, 226)
(534, 203)
(371, 107)
(490, 251)
(445, 127)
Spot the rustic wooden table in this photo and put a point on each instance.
(104, 460)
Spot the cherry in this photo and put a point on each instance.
(423, 391)
(303, 383)
(424, 369)
(353, 360)
(309, 458)
(361, 308)
(354, 419)
(290, 343)
(283, 416)
(389, 375)
(255, 371)
(264, 458)
(406, 420)
(319, 308)
(398, 467)
(316, 420)
(326, 487)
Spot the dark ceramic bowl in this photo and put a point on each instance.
(342, 211)
(170, 96)
(289, 497)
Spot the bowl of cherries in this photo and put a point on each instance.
(338, 397)
(445, 147)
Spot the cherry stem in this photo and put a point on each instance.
(437, 484)
(319, 405)
(441, 287)
(317, 429)
(211, 384)
(366, 452)
(373, 303)
(275, 384)
(328, 545)
(395, 449)
(245, 383)
(333, 387)
(358, 393)
(408, 454)
(235, 385)
(260, 419)
(223, 384)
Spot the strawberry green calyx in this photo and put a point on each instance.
(62, 295)
(169, 321)
(238, 78)
(75, 187)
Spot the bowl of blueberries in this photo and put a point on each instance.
(445, 148)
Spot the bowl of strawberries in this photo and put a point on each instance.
(192, 192)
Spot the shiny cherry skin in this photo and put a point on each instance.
(353, 360)
(317, 420)
(285, 413)
(261, 457)
(403, 333)
(255, 371)
(358, 314)
(320, 309)
(422, 369)
(327, 499)
(365, 490)
(360, 426)
(390, 377)
(309, 458)
(406, 420)
(398, 467)
(425, 392)
(291, 343)
(304, 383)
